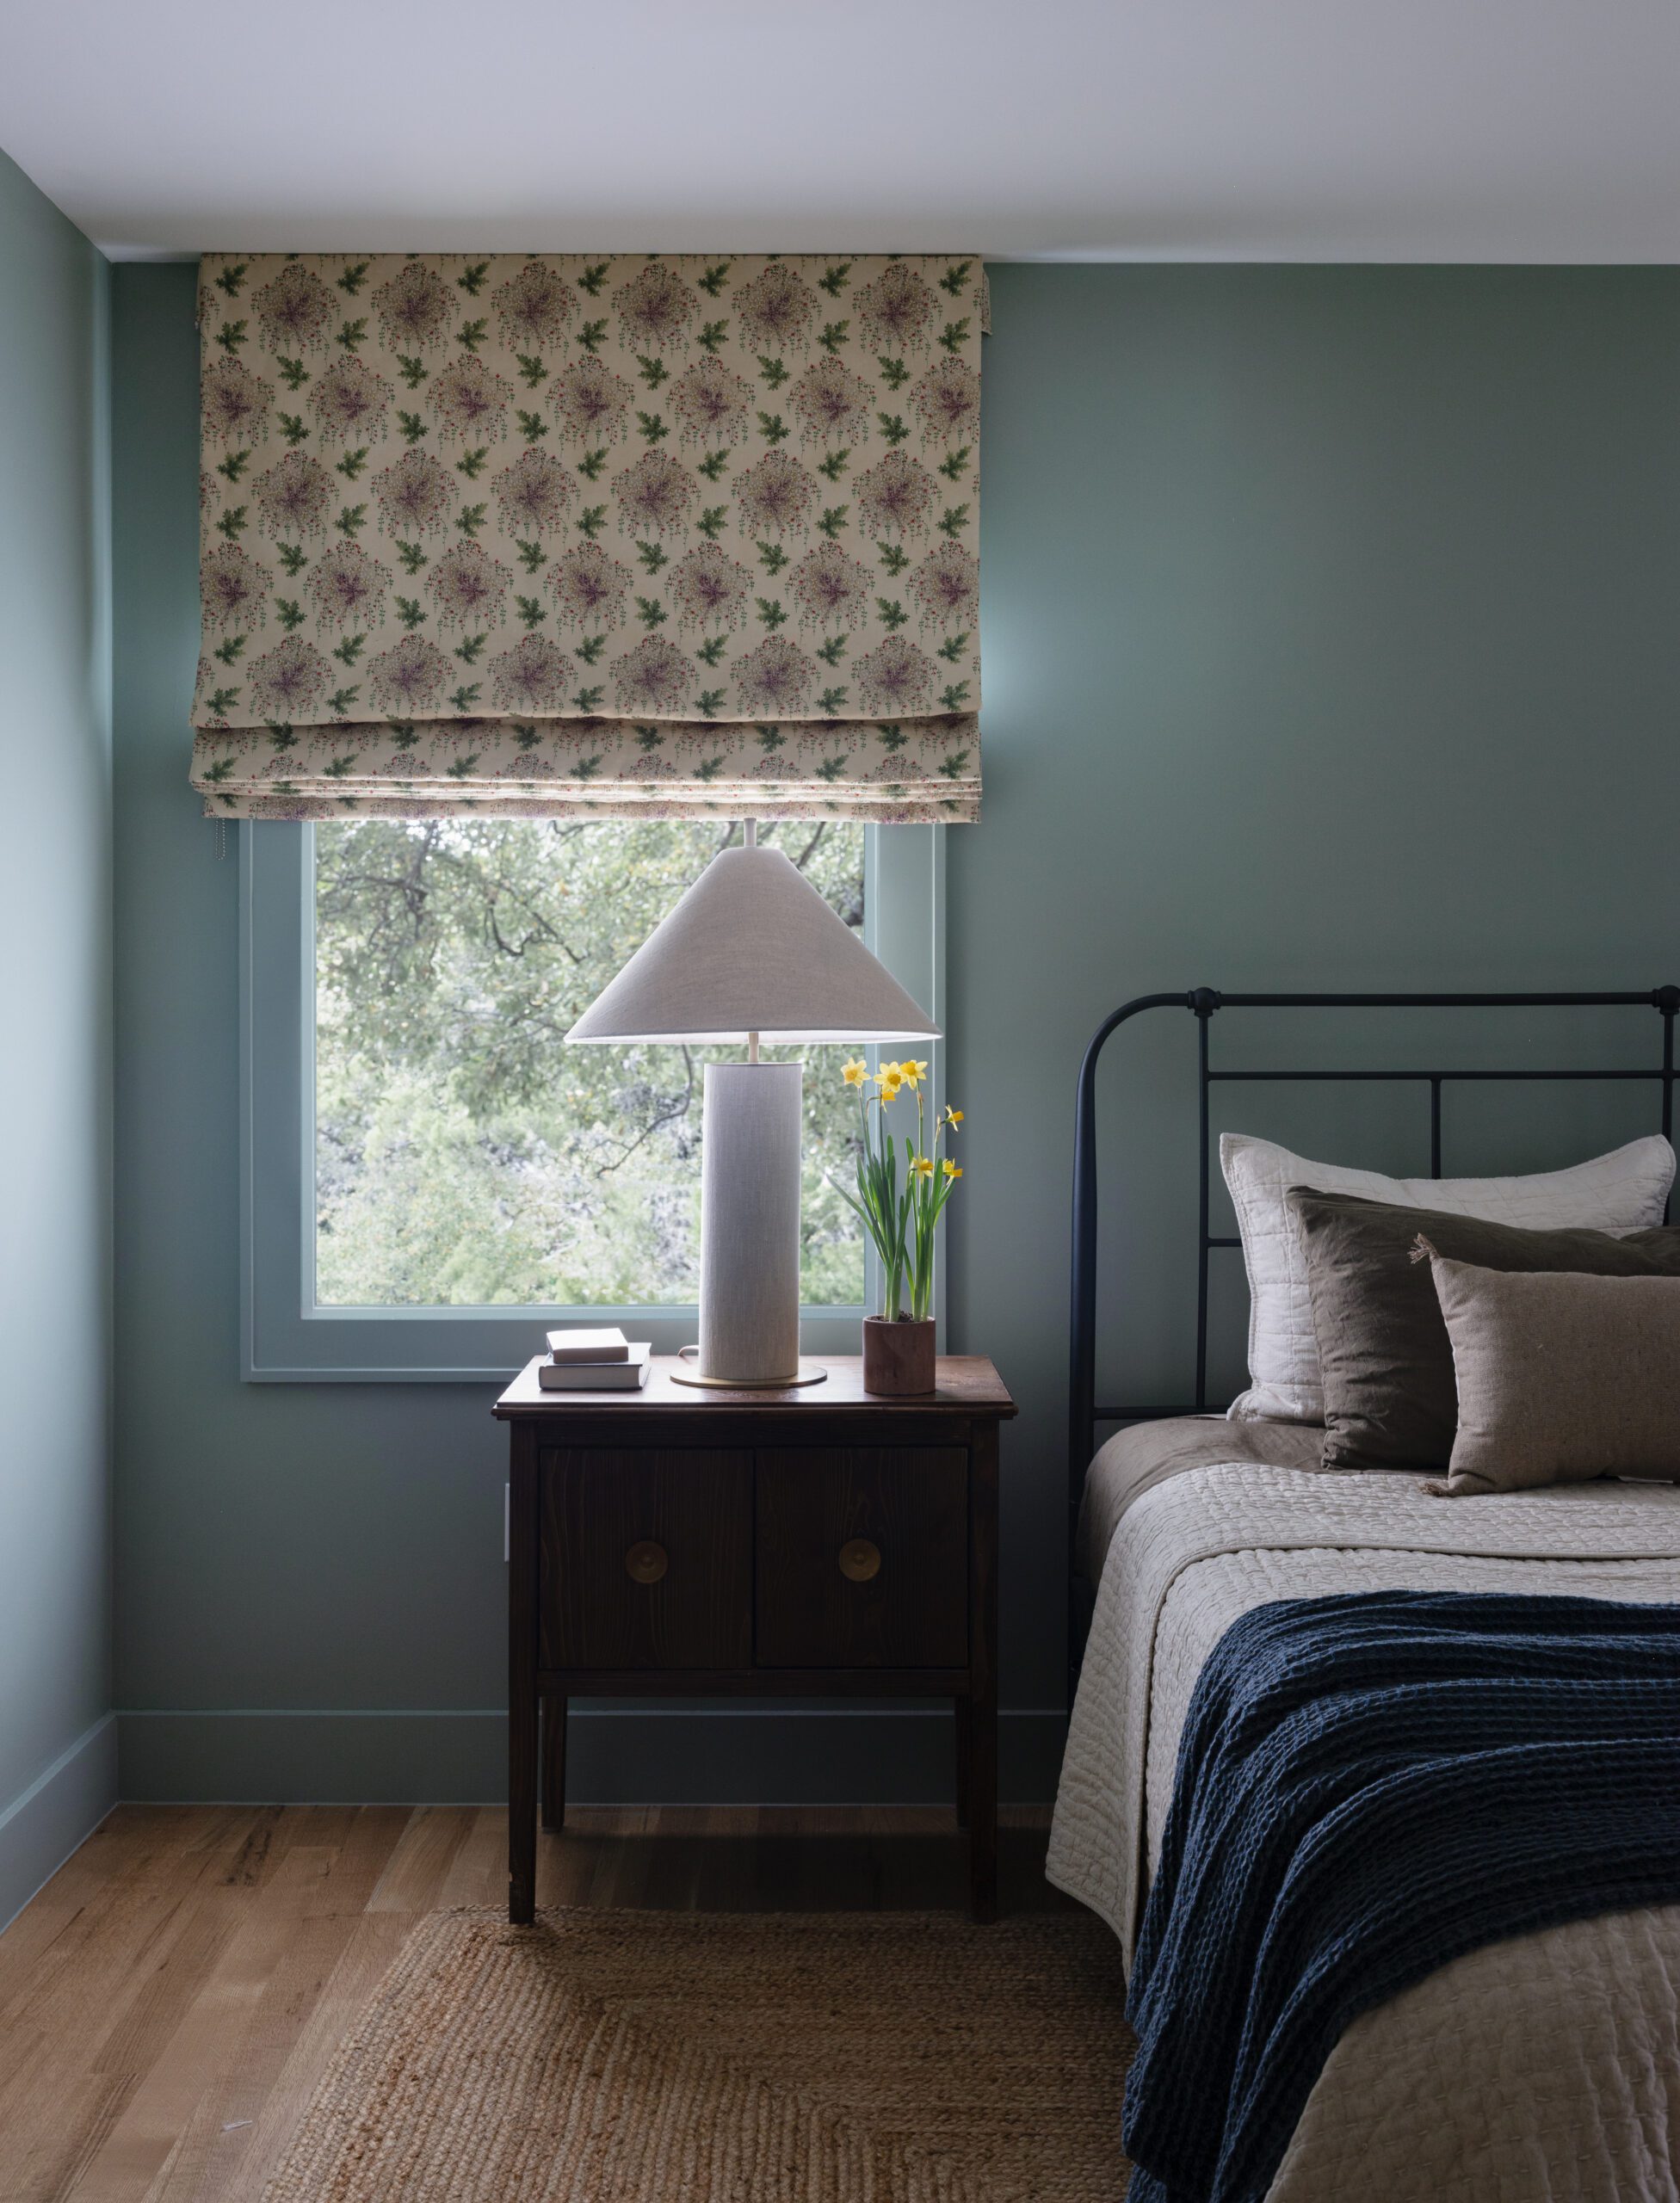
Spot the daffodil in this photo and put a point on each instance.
(900, 1195)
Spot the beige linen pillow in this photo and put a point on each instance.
(1561, 1376)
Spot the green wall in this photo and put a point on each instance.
(1332, 641)
(57, 1743)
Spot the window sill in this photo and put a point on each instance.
(476, 1346)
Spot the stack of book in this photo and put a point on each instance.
(594, 1361)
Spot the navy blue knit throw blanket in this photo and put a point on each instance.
(1367, 1787)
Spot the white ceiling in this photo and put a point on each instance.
(1429, 129)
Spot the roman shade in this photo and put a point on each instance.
(612, 535)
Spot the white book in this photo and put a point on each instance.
(589, 1346)
(626, 1376)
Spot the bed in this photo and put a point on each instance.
(1542, 2064)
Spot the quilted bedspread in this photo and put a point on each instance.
(1544, 2066)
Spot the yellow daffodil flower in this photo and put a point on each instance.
(890, 1079)
(952, 1169)
(923, 1166)
(951, 1117)
(913, 1074)
(855, 1072)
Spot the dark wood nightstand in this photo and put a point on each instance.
(818, 1543)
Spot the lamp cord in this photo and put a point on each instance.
(750, 836)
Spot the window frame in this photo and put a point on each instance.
(285, 1335)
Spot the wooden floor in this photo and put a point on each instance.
(168, 2000)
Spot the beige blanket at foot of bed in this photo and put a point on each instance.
(1544, 2067)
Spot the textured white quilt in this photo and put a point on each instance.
(1547, 2066)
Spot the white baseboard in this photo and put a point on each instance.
(57, 1813)
(616, 1756)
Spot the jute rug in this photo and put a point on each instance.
(690, 2058)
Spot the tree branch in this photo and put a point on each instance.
(678, 1110)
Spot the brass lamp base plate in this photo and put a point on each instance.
(808, 1372)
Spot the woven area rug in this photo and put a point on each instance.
(692, 2057)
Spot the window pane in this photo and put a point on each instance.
(465, 1156)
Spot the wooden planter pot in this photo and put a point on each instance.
(898, 1356)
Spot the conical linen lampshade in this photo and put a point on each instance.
(752, 950)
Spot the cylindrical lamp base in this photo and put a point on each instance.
(750, 1223)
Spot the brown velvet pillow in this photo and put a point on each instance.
(1390, 1401)
(1560, 1378)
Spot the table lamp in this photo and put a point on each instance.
(751, 952)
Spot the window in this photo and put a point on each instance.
(429, 1169)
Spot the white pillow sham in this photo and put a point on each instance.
(1623, 1191)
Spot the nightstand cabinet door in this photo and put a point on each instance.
(646, 1559)
(862, 1556)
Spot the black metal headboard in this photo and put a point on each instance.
(1085, 1411)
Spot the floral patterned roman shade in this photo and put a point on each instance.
(619, 535)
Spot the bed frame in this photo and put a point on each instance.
(1086, 1412)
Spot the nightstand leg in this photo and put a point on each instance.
(554, 1764)
(964, 1711)
(982, 1675)
(983, 1812)
(523, 1679)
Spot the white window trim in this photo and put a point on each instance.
(285, 1338)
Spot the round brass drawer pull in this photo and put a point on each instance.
(646, 1562)
(859, 1560)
